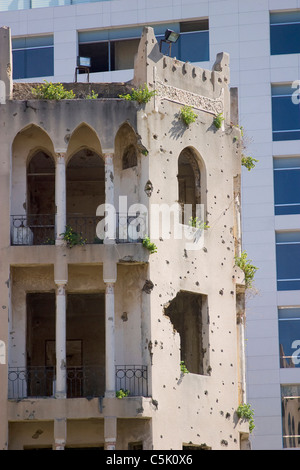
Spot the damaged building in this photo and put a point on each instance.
(107, 341)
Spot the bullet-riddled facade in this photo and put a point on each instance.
(87, 319)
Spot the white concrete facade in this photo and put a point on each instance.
(242, 29)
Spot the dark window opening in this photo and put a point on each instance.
(187, 312)
(129, 157)
(188, 184)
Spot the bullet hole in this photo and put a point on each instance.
(124, 316)
(224, 443)
(37, 434)
(148, 287)
(221, 292)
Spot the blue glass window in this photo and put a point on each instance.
(287, 260)
(289, 336)
(285, 113)
(285, 32)
(287, 185)
(115, 49)
(33, 57)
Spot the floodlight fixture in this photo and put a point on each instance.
(170, 38)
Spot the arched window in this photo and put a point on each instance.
(189, 182)
(41, 197)
(126, 146)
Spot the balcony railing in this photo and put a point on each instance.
(39, 382)
(85, 381)
(134, 379)
(32, 229)
(40, 229)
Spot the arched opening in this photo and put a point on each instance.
(41, 197)
(85, 184)
(32, 187)
(126, 146)
(189, 184)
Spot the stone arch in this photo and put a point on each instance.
(27, 143)
(126, 146)
(83, 136)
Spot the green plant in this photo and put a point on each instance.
(49, 241)
(141, 95)
(72, 238)
(244, 411)
(92, 96)
(122, 393)
(218, 120)
(149, 245)
(52, 91)
(198, 223)
(249, 162)
(187, 115)
(246, 266)
(183, 368)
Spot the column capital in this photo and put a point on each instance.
(61, 287)
(109, 287)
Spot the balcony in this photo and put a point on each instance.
(82, 382)
(29, 230)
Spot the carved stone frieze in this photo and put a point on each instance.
(177, 95)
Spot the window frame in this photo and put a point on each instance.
(289, 314)
(284, 22)
(280, 280)
(284, 397)
(26, 49)
(278, 132)
(285, 208)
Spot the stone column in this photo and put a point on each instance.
(60, 197)
(60, 340)
(110, 432)
(109, 196)
(110, 388)
(60, 433)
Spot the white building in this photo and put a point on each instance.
(262, 38)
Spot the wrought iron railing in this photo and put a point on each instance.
(132, 378)
(40, 229)
(39, 382)
(85, 226)
(33, 229)
(85, 381)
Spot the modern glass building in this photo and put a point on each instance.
(263, 40)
